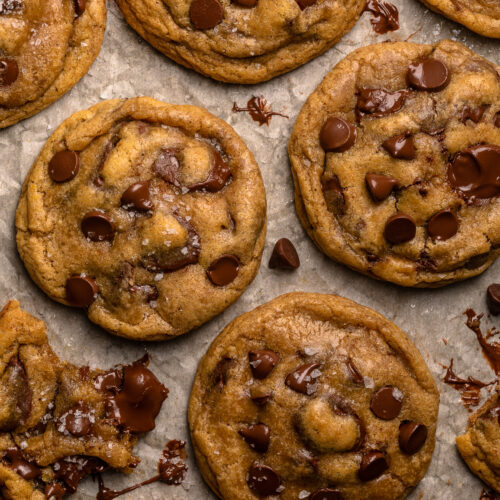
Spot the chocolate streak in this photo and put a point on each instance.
(385, 16)
(259, 109)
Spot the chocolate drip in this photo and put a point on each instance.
(385, 16)
(259, 109)
(17, 462)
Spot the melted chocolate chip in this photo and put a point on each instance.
(9, 71)
(386, 403)
(218, 176)
(399, 228)
(246, 3)
(385, 16)
(206, 14)
(110, 381)
(284, 255)
(475, 172)
(334, 195)
(98, 226)
(380, 186)
(443, 225)
(473, 114)
(401, 146)
(149, 292)
(263, 480)
(167, 166)
(137, 197)
(64, 166)
(81, 291)
(493, 298)
(18, 463)
(429, 74)
(303, 4)
(56, 490)
(260, 398)
(220, 372)
(380, 102)
(356, 377)
(224, 270)
(303, 379)
(171, 466)
(262, 362)
(326, 494)
(257, 436)
(337, 135)
(373, 464)
(79, 6)
(135, 407)
(78, 420)
(71, 470)
(412, 437)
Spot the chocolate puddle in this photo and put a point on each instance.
(171, 470)
(385, 16)
(259, 109)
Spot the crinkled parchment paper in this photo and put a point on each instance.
(128, 66)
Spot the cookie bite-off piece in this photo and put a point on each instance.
(481, 16)
(396, 163)
(241, 41)
(59, 422)
(480, 445)
(149, 216)
(45, 48)
(313, 396)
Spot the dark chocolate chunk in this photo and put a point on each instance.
(79, 6)
(326, 494)
(206, 14)
(78, 420)
(303, 379)
(429, 74)
(263, 480)
(167, 166)
(98, 226)
(412, 437)
(337, 135)
(380, 102)
(224, 270)
(399, 228)
(493, 298)
(262, 362)
(334, 195)
(137, 197)
(81, 290)
(443, 225)
(386, 402)
(380, 186)
(284, 255)
(64, 166)
(257, 436)
(401, 146)
(9, 71)
(473, 114)
(373, 465)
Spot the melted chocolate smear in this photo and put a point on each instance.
(138, 401)
(78, 420)
(380, 102)
(470, 389)
(473, 114)
(69, 471)
(385, 16)
(491, 350)
(259, 109)
(217, 178)
(171, 470)
(15, 460)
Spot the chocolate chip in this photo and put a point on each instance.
(221, 371)
(473, 114)
(334, 195)
(303, 4)
(386, 402)
(401, 146)
(380, 102)
(206, 14)
(98, 226)
(77, 420)
(81, 291)
(303, 379)
(337, 135)
(412, 437)
(263, 481)
(380, 186)
(137, 197)
(16, 461)
(477, 261)
(218, 176)
(356, 377)
(262, 362)
(79, 7)
(284, 255)
(493, 298)
(442, 225)
(260, 397)
(326, 494)
(257, 436)
(399, 228)
(246, 3)
(475, 172)
(223, 270)
(429, 74)
(64, 166)
(9, 71)
(167, 166)
(496, 120)
(373, 464)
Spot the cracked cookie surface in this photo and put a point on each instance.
(396, 163)
(242, 41)
(45, 49)
(60, 422)
(481, 16)
(480, 445)
(150, 216)
(313, 396)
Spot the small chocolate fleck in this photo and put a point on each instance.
(386, 402)
(412, 436)
(443, 225)
(303, 379)
(493, 299)
(284, 255)
(429, 74)
(206, 14)
(81, 290)
(98, 226)
(401, 146)
(64, 166)
(337, 135)
(399, 228)
(224, 270)
(257, 436)
(380, 186)
(373, 464)
(263, 480)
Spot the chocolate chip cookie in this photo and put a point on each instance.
(45, 48)
(396, 163)
(481, 16)
(150, 216)
(480, 445)
(60, 422)
(241, 41)
(313, 396)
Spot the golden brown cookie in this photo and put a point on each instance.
(481, 16)
(313, 396)
(60, 422)
(150, 216)
(45, 48)
(241, 41)
(396, 163)
(480, 445)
